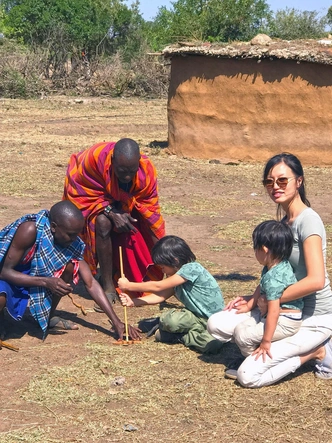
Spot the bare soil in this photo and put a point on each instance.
(65, 388)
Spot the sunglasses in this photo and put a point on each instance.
(282, 182)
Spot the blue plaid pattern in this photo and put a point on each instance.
(48, 258)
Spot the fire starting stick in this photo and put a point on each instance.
(125, 307)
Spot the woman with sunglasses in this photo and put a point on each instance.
(283, 179)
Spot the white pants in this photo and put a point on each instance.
(249, 333)
(254, 374)
(221, 325)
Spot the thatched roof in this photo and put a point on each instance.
(300, 50)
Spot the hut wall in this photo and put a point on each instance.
(244, 110)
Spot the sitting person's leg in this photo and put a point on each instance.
(221, 325)
(249, 334)
(15, 300)
(104, 250)
(288, 354)
(189, 330)
(2, 317)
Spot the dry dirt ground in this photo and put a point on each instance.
(64, 389)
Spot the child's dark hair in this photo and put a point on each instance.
(276, 236)
(172, 251)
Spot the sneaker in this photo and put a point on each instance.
(236, 363)
(231, 373)
(149, 325)
(167, 337)
(324, 367)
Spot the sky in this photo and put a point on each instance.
(149, 8)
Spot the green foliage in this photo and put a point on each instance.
(292, 24)
(212, 20)
(116, 39)
(329, 16)
(19, 72)
(231, 20)
(95, 25)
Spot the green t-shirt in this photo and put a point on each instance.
(275, 280)
(200, 294)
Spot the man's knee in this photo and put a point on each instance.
(103, 226)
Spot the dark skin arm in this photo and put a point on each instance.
(98, 295)
(23, 240)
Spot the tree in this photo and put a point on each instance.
(231, 20)
(329, 16)
(66, 28)
(292, 24)
(89, 24)
(212, 20)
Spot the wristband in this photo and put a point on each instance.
(108, 210)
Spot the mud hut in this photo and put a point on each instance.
(248, 101)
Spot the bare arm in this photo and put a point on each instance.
(315, 278)
(151, 286)
(23, 240)
(273, 313)
(150, 299)
(98, 295)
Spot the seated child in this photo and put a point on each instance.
(191, 284)
(273, 243)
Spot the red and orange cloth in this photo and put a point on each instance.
(91, 185)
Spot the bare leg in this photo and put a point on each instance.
(316, 354)
(2, 316)
(105, 255)
(66, 276)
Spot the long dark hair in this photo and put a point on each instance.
(295, 165)
(276, 236)
(172, 251)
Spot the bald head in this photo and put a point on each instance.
(65, 211)
(67, 222)
(125, 160)
(126, 148)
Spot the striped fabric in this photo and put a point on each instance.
(48, 258)
(91, 185)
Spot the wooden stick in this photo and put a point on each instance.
(81, 307)
(125, 307)
(3, 344)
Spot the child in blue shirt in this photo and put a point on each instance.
(273, 243)
(191, 284)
